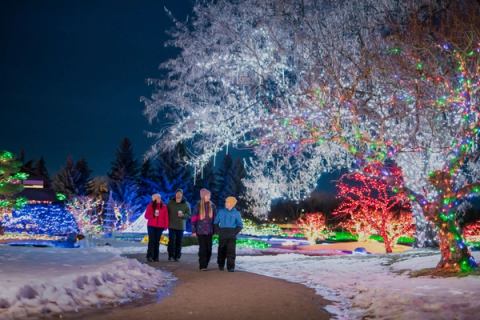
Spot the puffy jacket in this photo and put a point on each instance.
(205, 226)
(160, 221)
(175, 222)
(228, 223)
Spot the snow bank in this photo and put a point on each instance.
(370, 286)
(48, 281)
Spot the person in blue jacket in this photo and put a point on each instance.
(228, 223)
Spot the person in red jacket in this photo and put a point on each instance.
(157, 221)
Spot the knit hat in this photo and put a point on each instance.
(204, 192)
(156, 195)
(179, 190)
(231, 201)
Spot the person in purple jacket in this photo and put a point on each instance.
(202, 227)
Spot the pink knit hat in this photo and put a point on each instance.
(204, 192)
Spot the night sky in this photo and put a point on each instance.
(72, 73)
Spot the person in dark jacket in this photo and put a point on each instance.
(157, 221)
(228, 224)
(178, 213)
(202, 227)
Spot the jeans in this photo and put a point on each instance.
(205, 250)
(175, 243)
(154, 235)
(226, 250)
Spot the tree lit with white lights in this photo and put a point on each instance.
(312, 86)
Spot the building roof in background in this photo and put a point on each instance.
(34, 194)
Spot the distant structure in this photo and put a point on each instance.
(43, 216)
(36, 193)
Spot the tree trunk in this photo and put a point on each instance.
(455, 254)
(387, 242)
(425, 232)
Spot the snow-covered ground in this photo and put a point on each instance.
(48, 281)
(376, 286)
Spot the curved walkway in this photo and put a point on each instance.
(215, 294)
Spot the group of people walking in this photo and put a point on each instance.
(206, 222)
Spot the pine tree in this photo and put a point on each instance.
(27, 167)
(147, 170)
(124, 169)
(173, 174)
(21, 156)
(147, 183)
(40, 171)
(64, 180)
(10, 181)
(82, 176)
(127, 203)
(124, 166)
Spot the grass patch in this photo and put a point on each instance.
(342, 236)
(406, 240)
(247, 243)
(402, 240)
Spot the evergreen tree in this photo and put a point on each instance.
(64, 180)
(128, 202)
(147, 184)
(146, 170)
(82, 176)
(10, 181)
(124, 166)
(21, 156)
(124, 169)
(27, 167)
(172, 173)
(40, 171)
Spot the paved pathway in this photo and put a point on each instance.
(215, 294)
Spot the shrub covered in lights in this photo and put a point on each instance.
(252, 243)
(41, 219)
(253, 229)
(313, 226)
(85, 212)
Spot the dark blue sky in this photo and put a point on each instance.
(72, 73)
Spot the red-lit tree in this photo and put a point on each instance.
(372, 204)
(357, 227)
(471, 231)
(313, 226)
